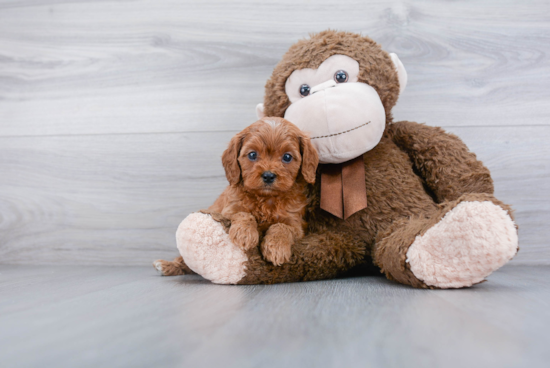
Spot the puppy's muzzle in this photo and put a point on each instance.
(268, 177)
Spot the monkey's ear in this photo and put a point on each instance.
(310, 159)
(260, 111)
(401, 72)
(230, 158)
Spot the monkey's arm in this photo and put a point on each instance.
(442, 160)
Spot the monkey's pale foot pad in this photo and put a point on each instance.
(467, 245)
(207, 250)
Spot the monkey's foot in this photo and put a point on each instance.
(207, 249)
(470, 242)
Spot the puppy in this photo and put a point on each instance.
(268, 166)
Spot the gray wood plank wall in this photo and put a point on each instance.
(113, 114)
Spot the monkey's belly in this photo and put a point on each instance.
(394, 191)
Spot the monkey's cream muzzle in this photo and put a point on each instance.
(343, 120)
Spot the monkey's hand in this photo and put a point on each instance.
(244, 230)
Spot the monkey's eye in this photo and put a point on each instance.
(252, 156)
(304, 90)
(341, 76)
(287, 157)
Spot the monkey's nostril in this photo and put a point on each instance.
(268, 177)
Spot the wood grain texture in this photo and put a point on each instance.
(104, 198)
(113, 115)
(132, 317)
(87, 67)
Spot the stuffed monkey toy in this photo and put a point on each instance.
(407, 197)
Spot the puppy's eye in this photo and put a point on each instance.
(287, 157)
(252, 156)
(304, 90)
(341, 76)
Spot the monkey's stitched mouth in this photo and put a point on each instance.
(344, 132)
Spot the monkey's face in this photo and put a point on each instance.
(344, 117)
(339, 87)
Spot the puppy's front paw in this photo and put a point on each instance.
(244, 234)
(277, 244)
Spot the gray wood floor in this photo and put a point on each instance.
(131, 317)
(113, 114)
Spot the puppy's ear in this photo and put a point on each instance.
(310, 159)
(230, 158)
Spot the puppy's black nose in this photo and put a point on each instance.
(268, 177)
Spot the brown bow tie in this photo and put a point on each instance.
(343, 190)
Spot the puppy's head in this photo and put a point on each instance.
(268, 156)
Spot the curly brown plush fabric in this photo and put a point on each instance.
(448, 169)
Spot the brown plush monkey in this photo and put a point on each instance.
(408, 197)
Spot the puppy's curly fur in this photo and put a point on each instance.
(258, 209)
